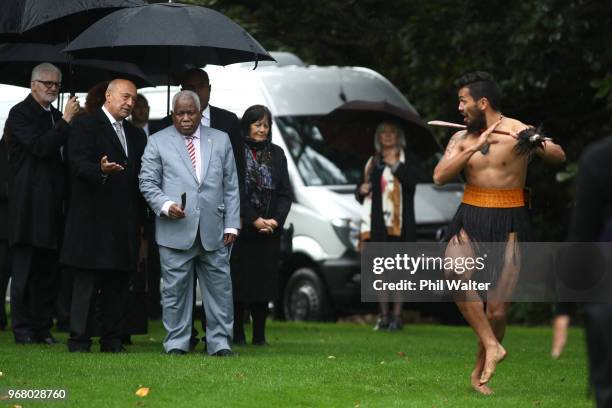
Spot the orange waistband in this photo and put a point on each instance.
(493, 198)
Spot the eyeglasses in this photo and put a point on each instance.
(50, 84)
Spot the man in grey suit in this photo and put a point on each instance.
(195, 162)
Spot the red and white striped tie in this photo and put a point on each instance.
(192, 151)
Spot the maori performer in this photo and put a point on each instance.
(493, 152)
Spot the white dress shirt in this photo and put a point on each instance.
(206, 116)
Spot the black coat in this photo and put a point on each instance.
(37, 174)
(105, 214)
(256, 257)
(3, 192)
(408, 174)
(224, 121)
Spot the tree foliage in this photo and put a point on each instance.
(550, 57)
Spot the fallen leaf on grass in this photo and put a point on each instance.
(331, 357)
(140, 404)
(142, 392)
(16, 406)
(401, 354)
(382, 362)
(240, 376)
(1, 374)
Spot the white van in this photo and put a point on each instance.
(323, 275)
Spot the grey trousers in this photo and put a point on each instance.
(213, 272)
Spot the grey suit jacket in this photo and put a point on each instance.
(212, 206)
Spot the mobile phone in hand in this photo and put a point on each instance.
(183, 200)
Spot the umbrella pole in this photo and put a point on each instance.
(168, 87)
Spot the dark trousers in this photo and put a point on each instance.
(198, 314)
(111, 287)
(64, 299)
(154, 309)
(259, 313)
(33, 291)
(599, 345)
(5, 274)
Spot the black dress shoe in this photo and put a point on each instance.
(26, 340)
(193, 342)
(49, 339)
(177, 352)
(261, 342)
(225, 353)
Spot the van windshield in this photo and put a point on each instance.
(330, 157)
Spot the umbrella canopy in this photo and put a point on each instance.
(166, 34)
(359, 119)
(18, 60)
(53, 21)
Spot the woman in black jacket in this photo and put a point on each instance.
(264, 208)
(387, 197)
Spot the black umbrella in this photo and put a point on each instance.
(358, 120)
(18, 60)
(157, 33)
(53, 21)
(168, 35)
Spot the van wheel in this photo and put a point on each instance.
(304, 297)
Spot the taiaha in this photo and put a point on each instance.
(528, 140)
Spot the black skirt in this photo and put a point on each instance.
(254, 265)
(491, 225)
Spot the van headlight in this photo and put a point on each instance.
(347, 231)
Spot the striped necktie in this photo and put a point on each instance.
(191, 150)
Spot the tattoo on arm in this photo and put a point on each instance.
(450, 146)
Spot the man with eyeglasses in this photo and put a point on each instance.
(36, 133)
(197, 80)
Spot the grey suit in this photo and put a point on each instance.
(194, 243)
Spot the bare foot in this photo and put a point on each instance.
(477, 372)
(560, 326)
(493, 355)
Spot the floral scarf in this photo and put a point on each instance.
(259, 182)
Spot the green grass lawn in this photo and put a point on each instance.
(307, 365)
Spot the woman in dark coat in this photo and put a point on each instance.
(387, 197)
(267, 200)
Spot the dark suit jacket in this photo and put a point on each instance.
(37, 175)
(224, 121)
(105, 214)
(3, 192)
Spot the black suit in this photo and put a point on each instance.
(37, 188)
(592, 222)
(227, 122)
(103, 226)
(4, 269)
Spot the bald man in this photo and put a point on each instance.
(105, 217)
